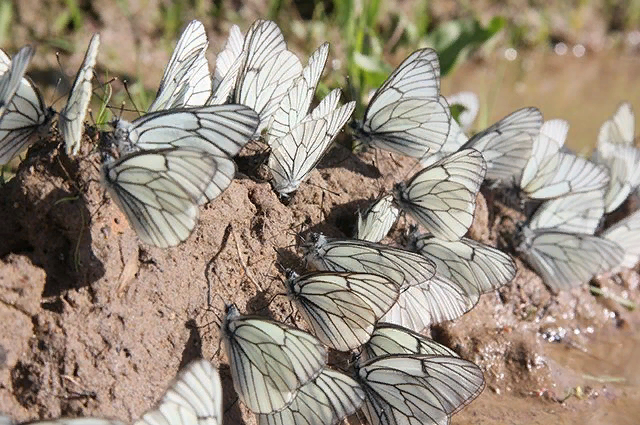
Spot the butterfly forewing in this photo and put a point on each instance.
(578, 213)
(417, 389)
(326, 400)
(158, 191)
(342, 308)
(388, 338)
(506, 145)
(186, 80)
(470, 104)
(620, 129)
(565, 260)
(12, 75)
(228, 56)
(198, 389)
(342, 255)
(295, 104)
(269, 361)
(376, 222)
(442, 197)
(72, 116)
(475, 267)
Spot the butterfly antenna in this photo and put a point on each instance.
(125, 83)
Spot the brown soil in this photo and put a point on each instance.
(96, 324)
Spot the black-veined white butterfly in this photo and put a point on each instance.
(326, 400)
(193, 398)
(342, 308)
(158, 191)
(620, 128)
(297, 153)
(72, 116)
(26, 115)
(442, 196)
(187, 79)
(295, 104)
(475, 267)
(425, 298)
(506, 145)
(269, 360)
(407, 115)
(470, 105)
(623, 162)
(267, 72)
(404, 267)
(626, 233)
(578, 212)
(388, 338)
(550, 173)
(417, 389)
(564, 259)
(221, 131)
(376, 222)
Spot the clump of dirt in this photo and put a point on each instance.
(98, 324)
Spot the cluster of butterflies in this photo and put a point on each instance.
(365, 296)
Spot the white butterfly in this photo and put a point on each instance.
(269, 360)
(25, 115)
(193, 397)
(475, 267)
(417, 389)
(407, 115)
(626, 233)
(326, 400)
(376, 222)
(470, 104)
(578, 213)
(186, 80)
(158, 191)
(564, 259)
(425, 298)
(222, 131)
(268, 70)
(551, 174)
(342, 308)
(506, 145)
(620, 129)
(442, 196)
(404, 267)
(388, 338)
(295, 104)
(72, 116)
(297, 153)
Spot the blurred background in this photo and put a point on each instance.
(575, 60)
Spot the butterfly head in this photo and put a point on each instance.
(412, 237)
(291, 282)
(312, 247)
(523, 237)
(399, 192)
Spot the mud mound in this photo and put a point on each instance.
(97, 324)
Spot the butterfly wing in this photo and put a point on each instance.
(442, 197)
(566, 260)
(578, 213)
(506, 145)
(295, 104)
(12, 75)
(326, 400)
(388, 338)
(269, 361)
(186, 80)
(72, 116)
(342, 308)
(377, 220)
(228, 56)
(417, 389)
